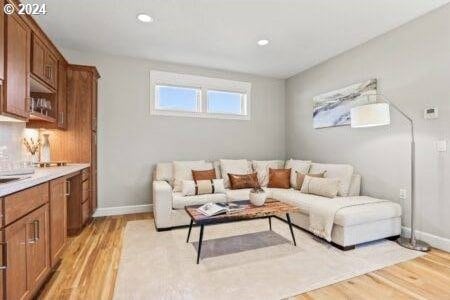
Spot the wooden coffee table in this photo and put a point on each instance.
(250, 211)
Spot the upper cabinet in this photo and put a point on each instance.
(2, 46)
(44, 63)
(16, 86)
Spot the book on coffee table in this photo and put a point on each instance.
(213, 209)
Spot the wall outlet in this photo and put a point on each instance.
(402, 194)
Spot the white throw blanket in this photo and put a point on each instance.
(322, 212)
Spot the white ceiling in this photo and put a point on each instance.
(222, 34)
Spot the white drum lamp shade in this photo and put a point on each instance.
(370, 115)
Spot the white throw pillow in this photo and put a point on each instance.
(300, 166)
(182, 170)
(339, 171)
(188, 187)
(325, 187)
(234, 166)
(261, 167)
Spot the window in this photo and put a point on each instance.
(220, 102)
(177, 98)
(175, 94)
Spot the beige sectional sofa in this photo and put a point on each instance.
(352, 225)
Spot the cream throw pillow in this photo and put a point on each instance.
(190, 188)
(326, 187)
(338, 171)
(182, 170)
(261, 167)
(300, 166)
(234, 166)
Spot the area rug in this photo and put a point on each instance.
(242, 260)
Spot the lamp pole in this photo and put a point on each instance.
(412, 242)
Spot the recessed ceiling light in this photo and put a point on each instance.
(144, 18)
(263, 42)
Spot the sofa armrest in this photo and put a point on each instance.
(162, 203)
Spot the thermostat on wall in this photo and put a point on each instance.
(431, 113)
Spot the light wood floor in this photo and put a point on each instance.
(90, 262)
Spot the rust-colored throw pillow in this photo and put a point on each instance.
(279, 178)
(243, 181)
(301, 178)
(204, 175)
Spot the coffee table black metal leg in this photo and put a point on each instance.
(270, 223)
(200, 240)
(189, 232)
(290, 227)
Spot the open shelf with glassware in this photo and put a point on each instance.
(43, 107)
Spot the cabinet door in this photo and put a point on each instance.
(62, 95)
(16, 260)
(58, 219)
(2, 44)
(17, 94)
(38, 262)
(37, 57)
(51, 69)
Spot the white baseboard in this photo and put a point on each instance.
(122, 210)
(435, 241)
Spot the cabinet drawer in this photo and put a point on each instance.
(21, 203)
(85, 212)
(84, 174)
(85, 191)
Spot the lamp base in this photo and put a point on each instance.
(419, 245)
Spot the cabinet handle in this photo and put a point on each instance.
(37, 230)
(48, 72)
(5, 255)
(67, 188)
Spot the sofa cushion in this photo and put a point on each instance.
(164, 172)
(179, 201)
(182, 170)
(261, 167)
(301, 166)
(340, 171)
(234, 166)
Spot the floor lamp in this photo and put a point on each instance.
(377, 114)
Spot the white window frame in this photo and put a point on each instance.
(205, 84)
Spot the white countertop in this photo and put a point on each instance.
(41, 175)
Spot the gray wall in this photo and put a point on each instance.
(131, 141)
(412, 64)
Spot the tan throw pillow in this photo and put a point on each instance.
(246, 181)
(279, 178)
(325, 187)
(301, 178)
(261, 167)
(203, 175)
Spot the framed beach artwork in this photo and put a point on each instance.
(333, 108)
